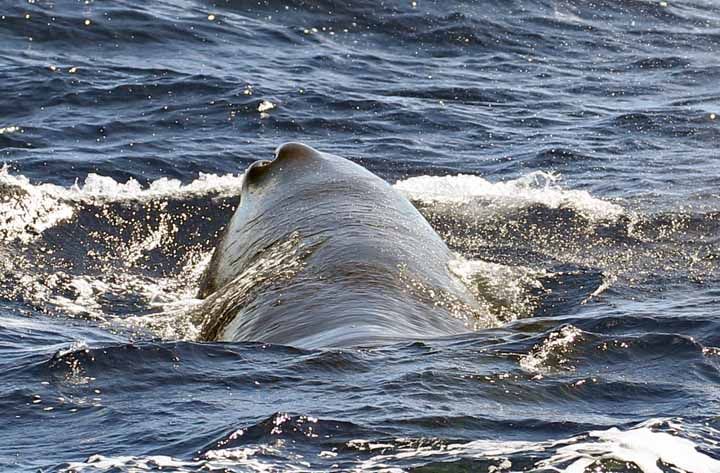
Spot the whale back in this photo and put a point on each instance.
(350, 259)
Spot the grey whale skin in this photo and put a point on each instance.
(322, 253)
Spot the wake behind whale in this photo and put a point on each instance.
(321, 252)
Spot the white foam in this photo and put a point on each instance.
(641, 446)
(490, 449)
(265, 106)
(27, 209)
(98, 187)
(151, 463)
(536, 188)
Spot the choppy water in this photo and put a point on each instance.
(567, 149)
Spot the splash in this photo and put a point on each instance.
(190, 318)
(27, 210)
(552, 354)
(116, 248)
(98, 188)
(117, 230)
(537, 188)
(506, 292)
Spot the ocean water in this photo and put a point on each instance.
(567, 150)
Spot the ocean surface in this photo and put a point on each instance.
(567, 150)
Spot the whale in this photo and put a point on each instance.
(320, 252)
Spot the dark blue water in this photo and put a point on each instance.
(568, 150)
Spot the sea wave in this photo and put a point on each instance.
(536, 188)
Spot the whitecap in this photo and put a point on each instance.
(536, 188)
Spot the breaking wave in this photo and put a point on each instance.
(538, 188)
